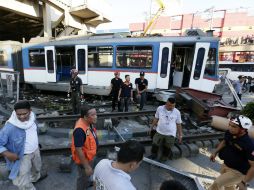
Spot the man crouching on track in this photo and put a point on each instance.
(19, 145)
(84, 145)
(168, 123)
(237, 152)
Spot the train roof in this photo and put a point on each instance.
(117, 39)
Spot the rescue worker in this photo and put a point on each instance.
(141, 87)
(167, 123)
(125, 95)
(237, 152)
(115, 85)
(114, 175)
(84, 145)
(75, 91)
(19, 145)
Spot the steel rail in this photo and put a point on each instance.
(100, 115)
(145, 141)
(204, 136)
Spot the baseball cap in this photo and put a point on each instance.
(142, 73)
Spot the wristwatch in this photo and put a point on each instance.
(244, 183)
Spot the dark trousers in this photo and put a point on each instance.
(251, 88)
(83, 179)
(234, 103)
(115, 101)
(125, 101)
(162, 141)
(75, 101)
(142, 100)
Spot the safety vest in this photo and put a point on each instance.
(89, 148)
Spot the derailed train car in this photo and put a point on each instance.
(187, 61)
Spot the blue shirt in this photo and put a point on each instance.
(238, 87)
(12, 139)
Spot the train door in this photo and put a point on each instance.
(198, 66)
(82, 62)
(164, 65)
(50, 63)
(182, 59)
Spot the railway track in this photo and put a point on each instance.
(208, 139)
(99, 115)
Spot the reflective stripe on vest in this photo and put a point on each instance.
(89, 148)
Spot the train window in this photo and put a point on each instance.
(81, 61)
(37, 58)
(210, 67)
(164, 62)
(134, 57)
(100, 56)
(50, 61)
(199, 63)
(3, 58)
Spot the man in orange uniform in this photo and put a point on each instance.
(84, 145)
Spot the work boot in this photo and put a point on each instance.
(154, 152)
(166, 152)
(163, 159)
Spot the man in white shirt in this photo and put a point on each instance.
(19, 145)
(111, 175)
(167, 123)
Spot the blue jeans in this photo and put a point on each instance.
(141, 100)
(125, 101)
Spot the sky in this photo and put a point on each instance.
(129, 11)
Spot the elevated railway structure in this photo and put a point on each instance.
(22, 20)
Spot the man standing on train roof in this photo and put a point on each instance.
(237, 151)
(167, 123)
(115, 85)
(76, 91)
(141, 87)
(84, 145)
(19, 145)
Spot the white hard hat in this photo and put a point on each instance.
(242, 121)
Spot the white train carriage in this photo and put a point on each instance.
(188, 61)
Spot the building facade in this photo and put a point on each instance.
(233, 27)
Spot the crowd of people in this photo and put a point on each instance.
(19, 143)
(121, 92)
